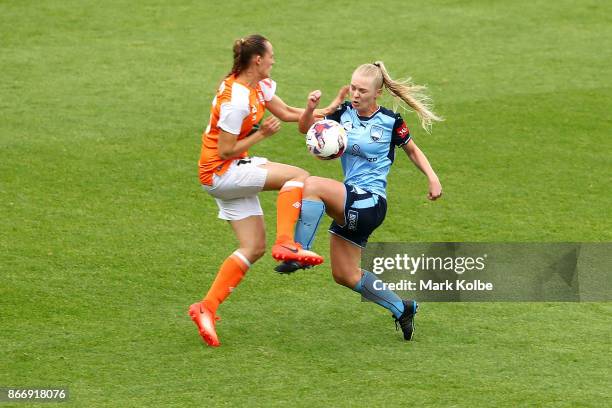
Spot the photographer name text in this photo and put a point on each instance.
(422, 285)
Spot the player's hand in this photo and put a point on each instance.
(313, 99)
(435, 190)
(270, 126)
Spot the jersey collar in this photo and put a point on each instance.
(366, 118)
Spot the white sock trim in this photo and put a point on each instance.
(242, 258)
(292, 183)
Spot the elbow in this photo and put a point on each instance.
(224, 154)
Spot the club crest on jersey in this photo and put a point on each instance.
(376, 133)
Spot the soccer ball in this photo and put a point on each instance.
(326, 139)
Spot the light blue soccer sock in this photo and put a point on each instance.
(310, 216)
(385, 298)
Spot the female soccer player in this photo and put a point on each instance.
(358, 206)
(234, 179)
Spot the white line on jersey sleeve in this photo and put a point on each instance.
(232, 113)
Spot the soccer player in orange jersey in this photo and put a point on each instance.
(234, 179)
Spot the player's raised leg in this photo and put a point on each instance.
(252, 240)
(290, 181)
(320, 194)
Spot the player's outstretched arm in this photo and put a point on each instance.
(281, 110)
(229, 146)
(287, 113)
(420, 161)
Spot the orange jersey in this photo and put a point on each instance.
(236, 108)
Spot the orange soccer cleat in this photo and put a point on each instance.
(292, 251)
(205, 320)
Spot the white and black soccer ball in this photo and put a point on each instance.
(326, 139)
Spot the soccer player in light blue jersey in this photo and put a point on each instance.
(358, 205)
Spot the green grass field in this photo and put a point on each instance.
(106, 236)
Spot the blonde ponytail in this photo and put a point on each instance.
(413, 95)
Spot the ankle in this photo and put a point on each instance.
(210, 305)
(283, 239)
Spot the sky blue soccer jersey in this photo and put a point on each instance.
(371, 146)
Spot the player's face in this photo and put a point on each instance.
(363, 93)
(266, 61)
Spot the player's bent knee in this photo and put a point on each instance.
(302, 175)
(312, 185)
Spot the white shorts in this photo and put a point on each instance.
(236, 190)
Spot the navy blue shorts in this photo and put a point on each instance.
(363, 213)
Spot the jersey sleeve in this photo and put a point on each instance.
(401, 133)
(338, 113)
(231, 116)
(268, 88)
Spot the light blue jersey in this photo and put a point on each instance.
(371, 146)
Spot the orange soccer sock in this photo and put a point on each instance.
(229, 276)
(288, 210)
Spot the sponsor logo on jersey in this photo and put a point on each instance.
(356, 151)
(403, 130)
(348, 125)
